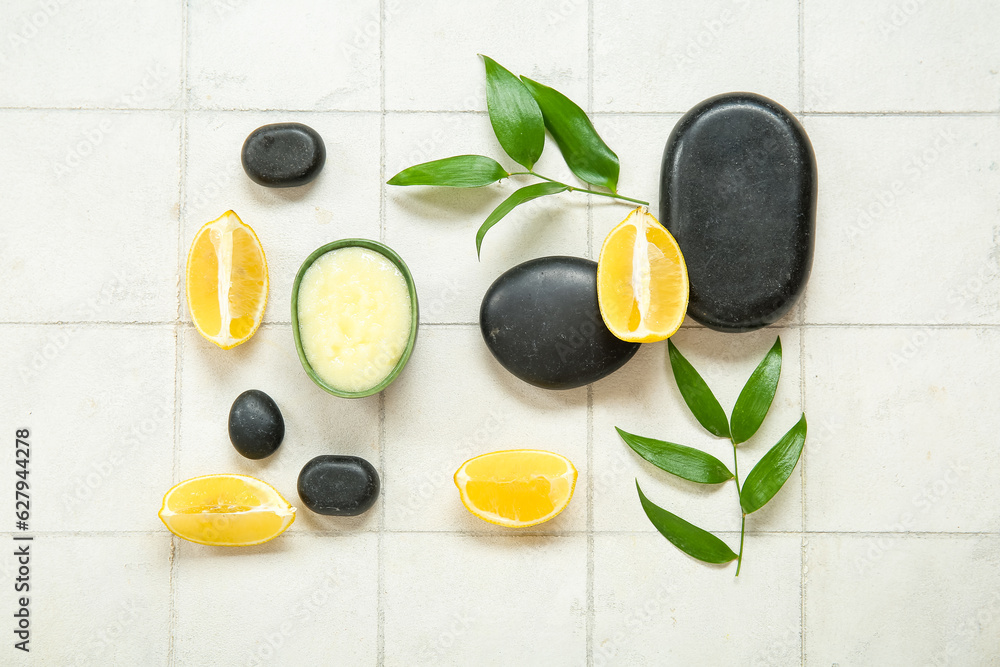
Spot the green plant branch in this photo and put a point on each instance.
(571, 188)
(739, 495)
(761, 483)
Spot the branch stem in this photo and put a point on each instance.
(739, 496)
(571, 188)
(743, 529)
(608, 194)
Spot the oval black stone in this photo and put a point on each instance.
(283, 155)
(338, 485)
(542, 322)
(738, 192)
(256, 426)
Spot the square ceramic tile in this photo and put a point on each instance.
(434, 229)
(901, 56)
(90, 216)
(900, 417)
(286, 602)
(98, 402)
(454, 402)
(316, 422)
(431, 60)
(308, 56)
(909, 234)
(342, 202)
(654, 605)
(92, 599)
(642, 398)
(902, 600)
(115, 54)
(454, 600)
(670, 56)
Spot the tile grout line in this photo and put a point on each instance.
(380, 539)
(679, 112)
(804, 542)
(349, 533)
(284, 323)
(802, 60)
(589, 634)
(172, 604)
(589, 624)
(802, 375)
(902, 114)
(590, 112)
(101, 323)
(802, 489)
(178, 328)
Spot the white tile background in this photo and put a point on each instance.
(122, 128)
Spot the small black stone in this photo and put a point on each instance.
(338, 485)
(283, 155)
(256, 427)
(542, 322)
(738, 192)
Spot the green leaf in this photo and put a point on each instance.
(685, 462)
(755, 399)
(687, 537)
(525, 194)
(773, 469)
(585, 152)
(461, 171)
(514, 114)
(697, 395)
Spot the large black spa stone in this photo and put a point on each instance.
(542, 323)
(283, 155)
(738, 192)
(338, 485)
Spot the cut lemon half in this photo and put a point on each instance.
(642, 281)
(226, 281)
(226, 511)
(516, 488)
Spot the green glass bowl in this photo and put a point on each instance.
(391, 255)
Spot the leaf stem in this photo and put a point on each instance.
(736, 470)
(739, 496)
(571, 188)
(546, 178)
(608, 194)
(739, 558)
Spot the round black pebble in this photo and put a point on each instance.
(283, 155)
(338, 485)
(256, 427)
